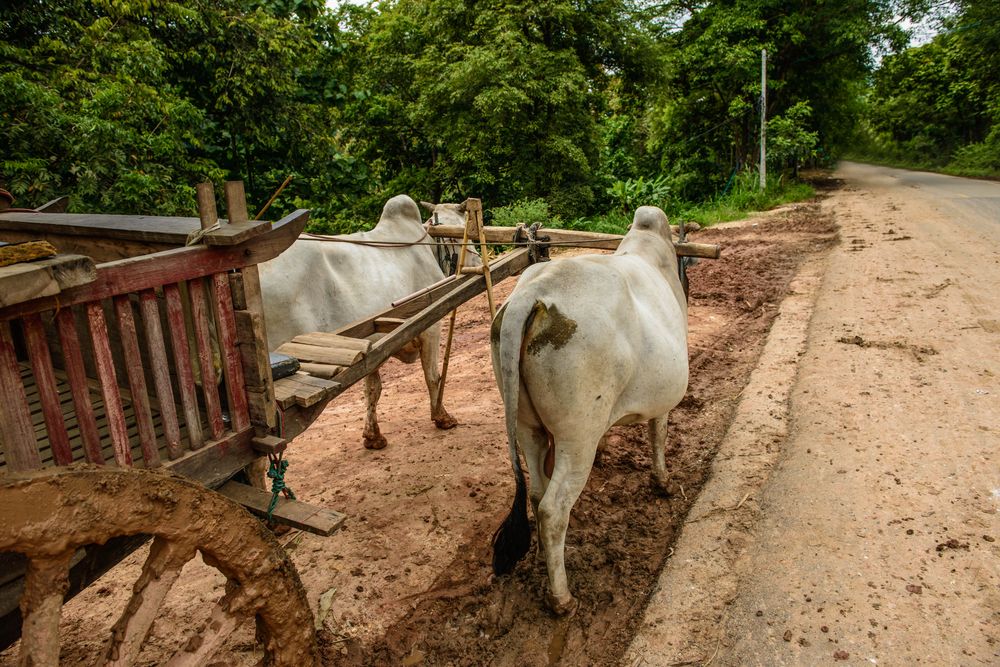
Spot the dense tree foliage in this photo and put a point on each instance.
(938, 104)
(589, 105)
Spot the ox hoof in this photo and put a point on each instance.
(445, 422)
(664, 487)
(378, 442)
(563, 608)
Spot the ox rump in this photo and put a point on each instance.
(583, 344)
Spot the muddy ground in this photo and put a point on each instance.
(408, 579)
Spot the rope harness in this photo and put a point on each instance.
(276, 472)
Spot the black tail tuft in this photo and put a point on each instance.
(513, 538)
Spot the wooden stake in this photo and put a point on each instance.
(206, 205)
(236, 202)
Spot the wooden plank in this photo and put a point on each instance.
(253, 349)
(148, 305)
(229, 344)
(322, 370)
(109, 384)
(170, 266)
(236, 202)
(77, 376)
(57, 205)
(235, 233)
(218, 460)
(147, 228)
(439, 301)
(208, 215)
(136, 379)
(44, 277)
(48, 393)
(575, 238)
(269, 444)
(325, 339)
(17, 435)
(320, 354)
(182, 364)
(387, 324)
(294, 513)
(303, 390)
(263, 408)
(200, 313)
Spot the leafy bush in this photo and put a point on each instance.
(527, 211)
(630, 194)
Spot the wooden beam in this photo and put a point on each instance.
(170, 266)
(576, 238)
(45, 277)
(294, 513)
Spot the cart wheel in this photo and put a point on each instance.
(48, 515)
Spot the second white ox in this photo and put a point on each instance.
(583, 344)
(319, 285)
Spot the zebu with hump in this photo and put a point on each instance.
(583, 344)
(319, 285)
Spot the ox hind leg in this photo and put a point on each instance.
(430, 341)
(573, 461)
(373, 438)
(534, 442)
(658, 439)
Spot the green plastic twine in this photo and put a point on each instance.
(276, 472)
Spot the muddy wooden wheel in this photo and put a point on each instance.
(48, 515)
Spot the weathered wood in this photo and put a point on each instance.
(109, 384)
(303, 390)
(387, 324)
(575, 238)
(76, 374)
(217, 460)
(256, 365)
(136, 380)
(321, 354)
(44, 277)
(182, 364)
(144, 228)
(326, 339)
(207, 213)
(229, 344)
(48, 392)
(425, 310)
(17, 436)
(269, 444)
(322, 370)
(263, 409)
(200, 314)
(236, 232)
(236, 202)
(170, 266)
(294, 513)
(161, 371)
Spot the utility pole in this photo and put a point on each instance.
(763, 119)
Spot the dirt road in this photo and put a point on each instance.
(852, 517)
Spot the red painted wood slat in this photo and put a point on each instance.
(161, 375)
(136, 380)
(109, 384)
(182, 364)
(209, 381)
(77, 374)
(18, 437)
(48, 391)
(229, 342)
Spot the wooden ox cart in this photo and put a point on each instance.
(136, 390)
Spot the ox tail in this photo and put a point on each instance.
(512, 539)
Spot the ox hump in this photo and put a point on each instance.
(549, 326)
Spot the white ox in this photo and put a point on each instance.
(320, 285)
(583, 344)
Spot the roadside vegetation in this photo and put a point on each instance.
(937, 106)
(582, 109)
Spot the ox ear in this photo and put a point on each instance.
(460, 208)
(429, 206)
